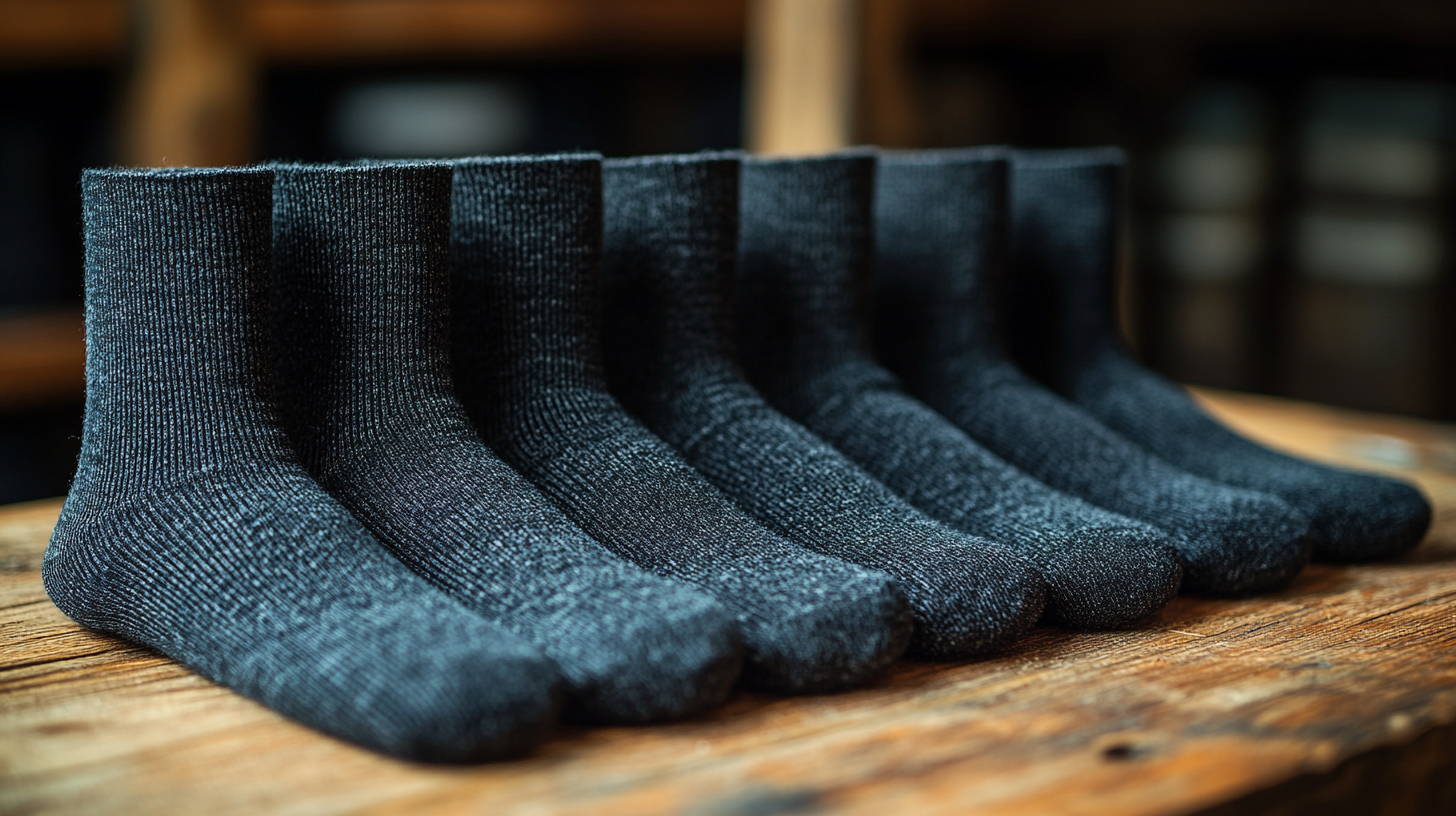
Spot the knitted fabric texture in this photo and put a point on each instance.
(361, 310)
(806, 245)
(669, 252)
(1067, 209)
(940, 224)
(192, 529)
(526, 252)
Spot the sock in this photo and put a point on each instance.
(1067, 209)
(526, 256)
(191, 528)
(805, 248)
(361, 309)
(670, 236)
(940, 222)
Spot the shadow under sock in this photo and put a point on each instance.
(805, 248)
(1066, 216)
(361, 310)
(670, 240)
(940, 237)
(191, 527)
(526, 256)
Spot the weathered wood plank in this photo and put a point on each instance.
(1209, 702)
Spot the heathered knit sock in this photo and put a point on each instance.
(526, 255)
(1067, 211)
(361, 309)
(940, 224)
(192, 529)
(669, 251)
(805, 249)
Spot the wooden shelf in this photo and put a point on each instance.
(47, 31)
(51, 31)
(1107, 23)
(1334, 696)
(42, 358)
(293, 31)
(37, 33)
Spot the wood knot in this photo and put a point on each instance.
(1121, 752)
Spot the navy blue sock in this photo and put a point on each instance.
(1067, 209)
(361, 310)
(670, 241)
(526, 253)
(191, 527)
(940, 222)
(805, 251)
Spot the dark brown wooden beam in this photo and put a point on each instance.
(47, 32)
(338, 30)
(1078, 21)
(42, 358)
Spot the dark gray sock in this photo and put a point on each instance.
(526, 256)
(669, 252)
(805, 249)
(361, 310)
(1067, 209)
(192, 529)
(940, 238)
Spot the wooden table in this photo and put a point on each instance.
(1337, 695)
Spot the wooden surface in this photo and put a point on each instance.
(1327, 692)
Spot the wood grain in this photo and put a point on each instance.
(1209, 702)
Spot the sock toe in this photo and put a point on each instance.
(956, 621)
(1110, 578)
(1256, 544)
(481, 706)
(1369, 517)
(836, 640)
(425, 682)
(680, 661)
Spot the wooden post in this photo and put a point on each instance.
(801, 75)
(193, 87)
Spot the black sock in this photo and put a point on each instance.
(361, 310)
(806, 245)
(526, 256)
(191, 528)
(670, 240)
(940, 238)
(1067, 210)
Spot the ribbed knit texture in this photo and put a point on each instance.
(805, 251)
(191, 528)
(940, 238)
(526, 254)
(1067, 213)
(361, 309)
(669, 254)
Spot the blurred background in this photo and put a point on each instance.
(1292, 159)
